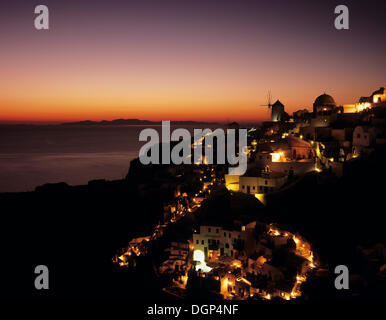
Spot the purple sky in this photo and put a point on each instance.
(209, 60)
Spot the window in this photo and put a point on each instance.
(243, 187)
(217, 230)
(202, 242)
(225, 234)
(230, 235)
(197, 242)
(209, 230)
(227, 245)
(253, 187)
(358, 135)
(260, 188)
(266, 182)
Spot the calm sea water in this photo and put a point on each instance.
(34, 155)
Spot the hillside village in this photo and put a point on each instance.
(200, 248)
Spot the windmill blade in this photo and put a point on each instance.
(269, 99)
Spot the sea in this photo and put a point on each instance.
(32, 155)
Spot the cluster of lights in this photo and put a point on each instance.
(303, 249)
(363, 106)
(132, 251)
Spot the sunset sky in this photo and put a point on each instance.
(184, 60)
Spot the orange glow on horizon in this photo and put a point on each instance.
(153, 62)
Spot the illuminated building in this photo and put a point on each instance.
(324, 105)
(379, 96)
(277, 112)
(215, 241)
(256, 181)
(232, 182)
(324, 111)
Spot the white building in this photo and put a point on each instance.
(215, 241)
(257, 182)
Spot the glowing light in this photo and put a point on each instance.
(277, 156)
(199, 256)
(260, 197)
(363, 106)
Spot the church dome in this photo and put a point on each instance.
(324, 100)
